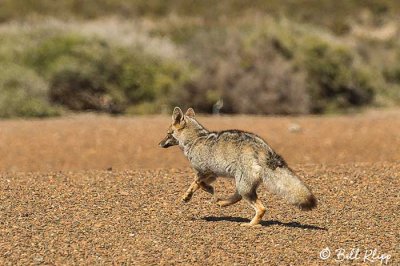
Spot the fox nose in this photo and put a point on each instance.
(163, 144)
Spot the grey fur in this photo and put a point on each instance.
(238, 154)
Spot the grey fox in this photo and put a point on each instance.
(238, 154)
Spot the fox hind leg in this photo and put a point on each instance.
(259, 208)
(248, 190)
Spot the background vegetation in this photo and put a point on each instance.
(263, 57)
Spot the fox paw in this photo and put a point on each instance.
(187, 197)
(219, 202)
(250, 225)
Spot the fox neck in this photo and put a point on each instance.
(192, 131)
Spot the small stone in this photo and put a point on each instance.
(294, 128)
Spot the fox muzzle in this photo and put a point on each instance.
(168, 141)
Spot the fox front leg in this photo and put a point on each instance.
(205, 184)
(229, 201)
(189, 193)
(201, 181)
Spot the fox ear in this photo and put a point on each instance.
(190, 113)
(177, 115)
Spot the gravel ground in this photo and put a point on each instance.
(136, 217)
(57, 207)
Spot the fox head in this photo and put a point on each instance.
(183, 128)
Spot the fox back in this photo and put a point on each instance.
(224, 153)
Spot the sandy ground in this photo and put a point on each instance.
(60, 205)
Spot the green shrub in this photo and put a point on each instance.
(390, 95)
(336, 81)
(23, 93)
(95, 74)
(391, 71)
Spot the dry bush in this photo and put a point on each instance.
(277, 67)
(250, 77)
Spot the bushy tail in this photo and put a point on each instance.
(283, 182)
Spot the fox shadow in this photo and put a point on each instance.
(263, 223)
